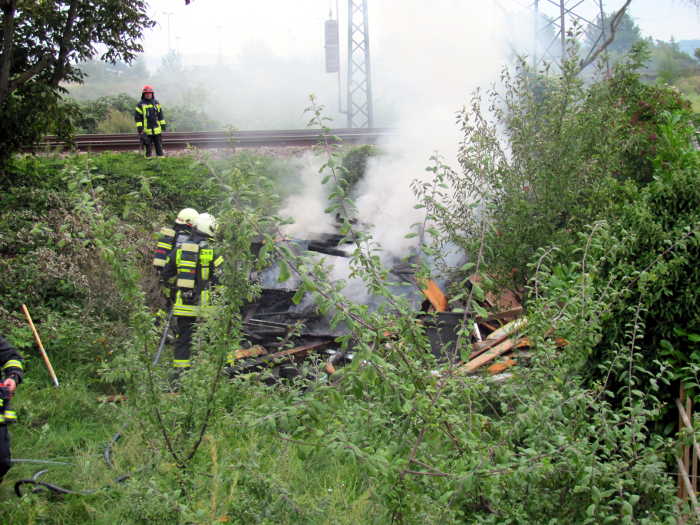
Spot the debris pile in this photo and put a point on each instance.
(284, 335)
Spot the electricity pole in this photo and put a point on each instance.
(169, 14)
(559, 16)
(359, 94)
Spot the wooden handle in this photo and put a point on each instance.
(41, 346)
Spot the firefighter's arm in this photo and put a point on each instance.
(12, 365)
(170, 268)
(216, 263)
(161, 118)
(138, 118)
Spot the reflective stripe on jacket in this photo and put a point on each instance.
(12, 365)
(149, 116)
(166, 238)
(194, 265)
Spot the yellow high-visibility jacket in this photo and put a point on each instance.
(149, 117)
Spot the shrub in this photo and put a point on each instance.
(116, 122)
(551, 161)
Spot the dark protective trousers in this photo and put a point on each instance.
(183, 343)
(153, 140)
(5, 456)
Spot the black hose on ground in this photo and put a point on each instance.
(40, 461)
(38, 485)
(107, 454)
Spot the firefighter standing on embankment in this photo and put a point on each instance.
(12, 369)
(194, 266)
(149, 121)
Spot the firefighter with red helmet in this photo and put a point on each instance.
(150, 123)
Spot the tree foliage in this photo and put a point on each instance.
(565, 143)
(41, 44)
(627, 33)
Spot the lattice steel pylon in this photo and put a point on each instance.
(359, 101)
(564, 14)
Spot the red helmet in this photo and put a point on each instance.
(147, 89)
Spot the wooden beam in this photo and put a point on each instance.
(685, 420)
(498, 336)
(272, 359)
(253, 351)
(501, 366)
(688, 487)
(434, 294)
(486, 357)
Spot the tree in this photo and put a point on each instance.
(41, 43)
(669, 64)
(171, 64)
(626, 35)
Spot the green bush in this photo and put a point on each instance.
(94, 113)
(551, 161)
(117, 122)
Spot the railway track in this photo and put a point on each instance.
(217, 139)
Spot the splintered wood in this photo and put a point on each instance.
(497, 336)
(435, 295)
(254, 351)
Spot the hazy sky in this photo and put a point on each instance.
(295, 27)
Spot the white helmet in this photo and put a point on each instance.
(187, 216)
(206, 224)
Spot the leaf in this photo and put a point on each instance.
(626, 508)
(480, 310)
(445, 498)
(299, 295)
(284, 272)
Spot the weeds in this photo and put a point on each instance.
(572, 438)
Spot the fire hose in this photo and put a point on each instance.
(38, 485)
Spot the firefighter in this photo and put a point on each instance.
(149, 121)
(168, 240)
(195, 266)
(11, 364)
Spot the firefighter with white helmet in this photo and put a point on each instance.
(169, 237)
(194, 265)
(206, 224)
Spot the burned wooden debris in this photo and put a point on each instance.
(284, 334)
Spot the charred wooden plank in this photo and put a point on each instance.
(290, 354)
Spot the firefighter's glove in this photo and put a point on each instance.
(140, 130)
(10, 384)
(164, 127)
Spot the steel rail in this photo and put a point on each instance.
(218, 139)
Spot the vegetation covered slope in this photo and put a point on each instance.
(577, 437)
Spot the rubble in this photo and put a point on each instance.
(283, 333)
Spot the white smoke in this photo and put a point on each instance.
(307, 207)
(460, 46)
(427, 61)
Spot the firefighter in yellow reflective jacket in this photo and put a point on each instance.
(195, 267)
(150, 122)
(12, 370)
(168, 240)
